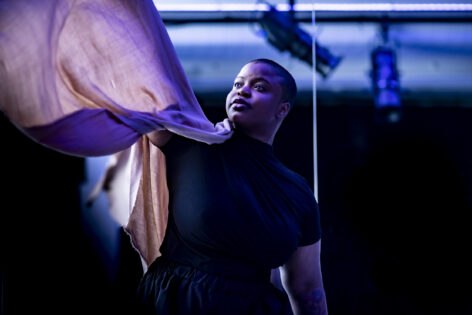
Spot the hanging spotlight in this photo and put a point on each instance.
(284, 34)
(386, 84)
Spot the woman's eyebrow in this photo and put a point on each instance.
(261, 79)
(257, 79)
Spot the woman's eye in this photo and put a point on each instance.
(259, 87)
(237, 84)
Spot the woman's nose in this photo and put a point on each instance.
(244, 90)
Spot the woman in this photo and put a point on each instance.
(235, 213)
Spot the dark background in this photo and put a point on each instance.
(394, 202)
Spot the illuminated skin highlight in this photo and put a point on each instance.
(255, 105)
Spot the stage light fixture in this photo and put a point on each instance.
(282, 31)
(386, 85)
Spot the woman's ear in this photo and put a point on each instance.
(283, 110)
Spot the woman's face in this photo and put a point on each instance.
(254, 100)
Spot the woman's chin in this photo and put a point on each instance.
(237, 119)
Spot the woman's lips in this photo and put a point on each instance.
(240, 105)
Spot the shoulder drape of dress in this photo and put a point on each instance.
(90, 78)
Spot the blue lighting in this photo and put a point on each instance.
(341, 7)
(386, 85)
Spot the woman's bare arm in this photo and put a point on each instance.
(302, 280)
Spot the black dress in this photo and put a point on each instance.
(235, 212)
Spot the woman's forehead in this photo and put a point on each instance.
(260, 70)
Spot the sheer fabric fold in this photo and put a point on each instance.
(90, 78)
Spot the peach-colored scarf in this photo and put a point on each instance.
(90, 78)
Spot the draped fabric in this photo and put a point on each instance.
(90, 78)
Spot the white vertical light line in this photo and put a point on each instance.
(315, 125)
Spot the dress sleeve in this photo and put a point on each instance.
(311, 227)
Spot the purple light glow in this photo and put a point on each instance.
(343, 7)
